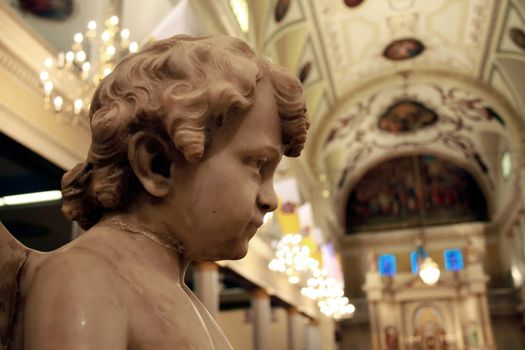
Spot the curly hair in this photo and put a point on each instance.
(177, 87)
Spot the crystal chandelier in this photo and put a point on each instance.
(293, 259)
(91, 58)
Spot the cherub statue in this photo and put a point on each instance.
(186, 136)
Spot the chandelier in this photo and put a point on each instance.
(429, 271)
(293, 258)
(78, 71)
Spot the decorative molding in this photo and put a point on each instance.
(20, 130)
(438, 234)
(18, 69)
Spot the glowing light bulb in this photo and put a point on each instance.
(105, 35)
(133, 46)
(92, 25)
(124, 33)
(48, 87)
(78, 104)
(110, 50)
(58, 102)
(48, 63)
(293, 279)
(80, 56)
(70, 56)
(113, 20)
(78, 38)
(107, 71)
(44, 76)
(86, 66)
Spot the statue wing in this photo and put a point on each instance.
(13, 255)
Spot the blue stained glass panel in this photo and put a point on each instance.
(387, 265)
(413, 262)
(453, 259)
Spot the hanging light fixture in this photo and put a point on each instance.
(92, 57)
(429, 271)
(292, 258)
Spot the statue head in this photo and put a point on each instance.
(183, 91)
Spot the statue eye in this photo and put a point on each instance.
(260, 163)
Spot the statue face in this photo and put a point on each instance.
(217, 204)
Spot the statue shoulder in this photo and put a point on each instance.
(73, 292)
(13, 256)
(75, 268)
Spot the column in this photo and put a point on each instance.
(206, 286)
(312, 337)
(261, 309)
(76, 230)
(485, 315)
(295, 325)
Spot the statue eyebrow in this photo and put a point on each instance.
(268, 150)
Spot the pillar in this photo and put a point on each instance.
(295, 325)
(206, 286)
(76, 230)
(261, 310)
(312, 336)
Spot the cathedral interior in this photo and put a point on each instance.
(401, 225)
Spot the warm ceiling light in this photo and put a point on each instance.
(28, 198)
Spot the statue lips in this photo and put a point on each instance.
(255, 224)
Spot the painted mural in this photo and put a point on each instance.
(305, 71)
(281, 9)
(406, 115)
(48, 9)
(353, 3)
(518, 37)
(403, 49)
(413, 191)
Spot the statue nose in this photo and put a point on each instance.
(267, 199)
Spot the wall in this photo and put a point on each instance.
(509, 333)
(355, 337)
(239, 330)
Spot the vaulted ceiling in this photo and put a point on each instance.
(462, 60)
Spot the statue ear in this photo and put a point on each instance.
(150, 158)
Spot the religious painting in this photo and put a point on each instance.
(48, 9)
(429, 329)
(473, 334)
(406, 115)
(403, 49)
(281, 9)
(391, 338)
(353, 3)
(518, 37)
(305, 71)
(413, 191)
